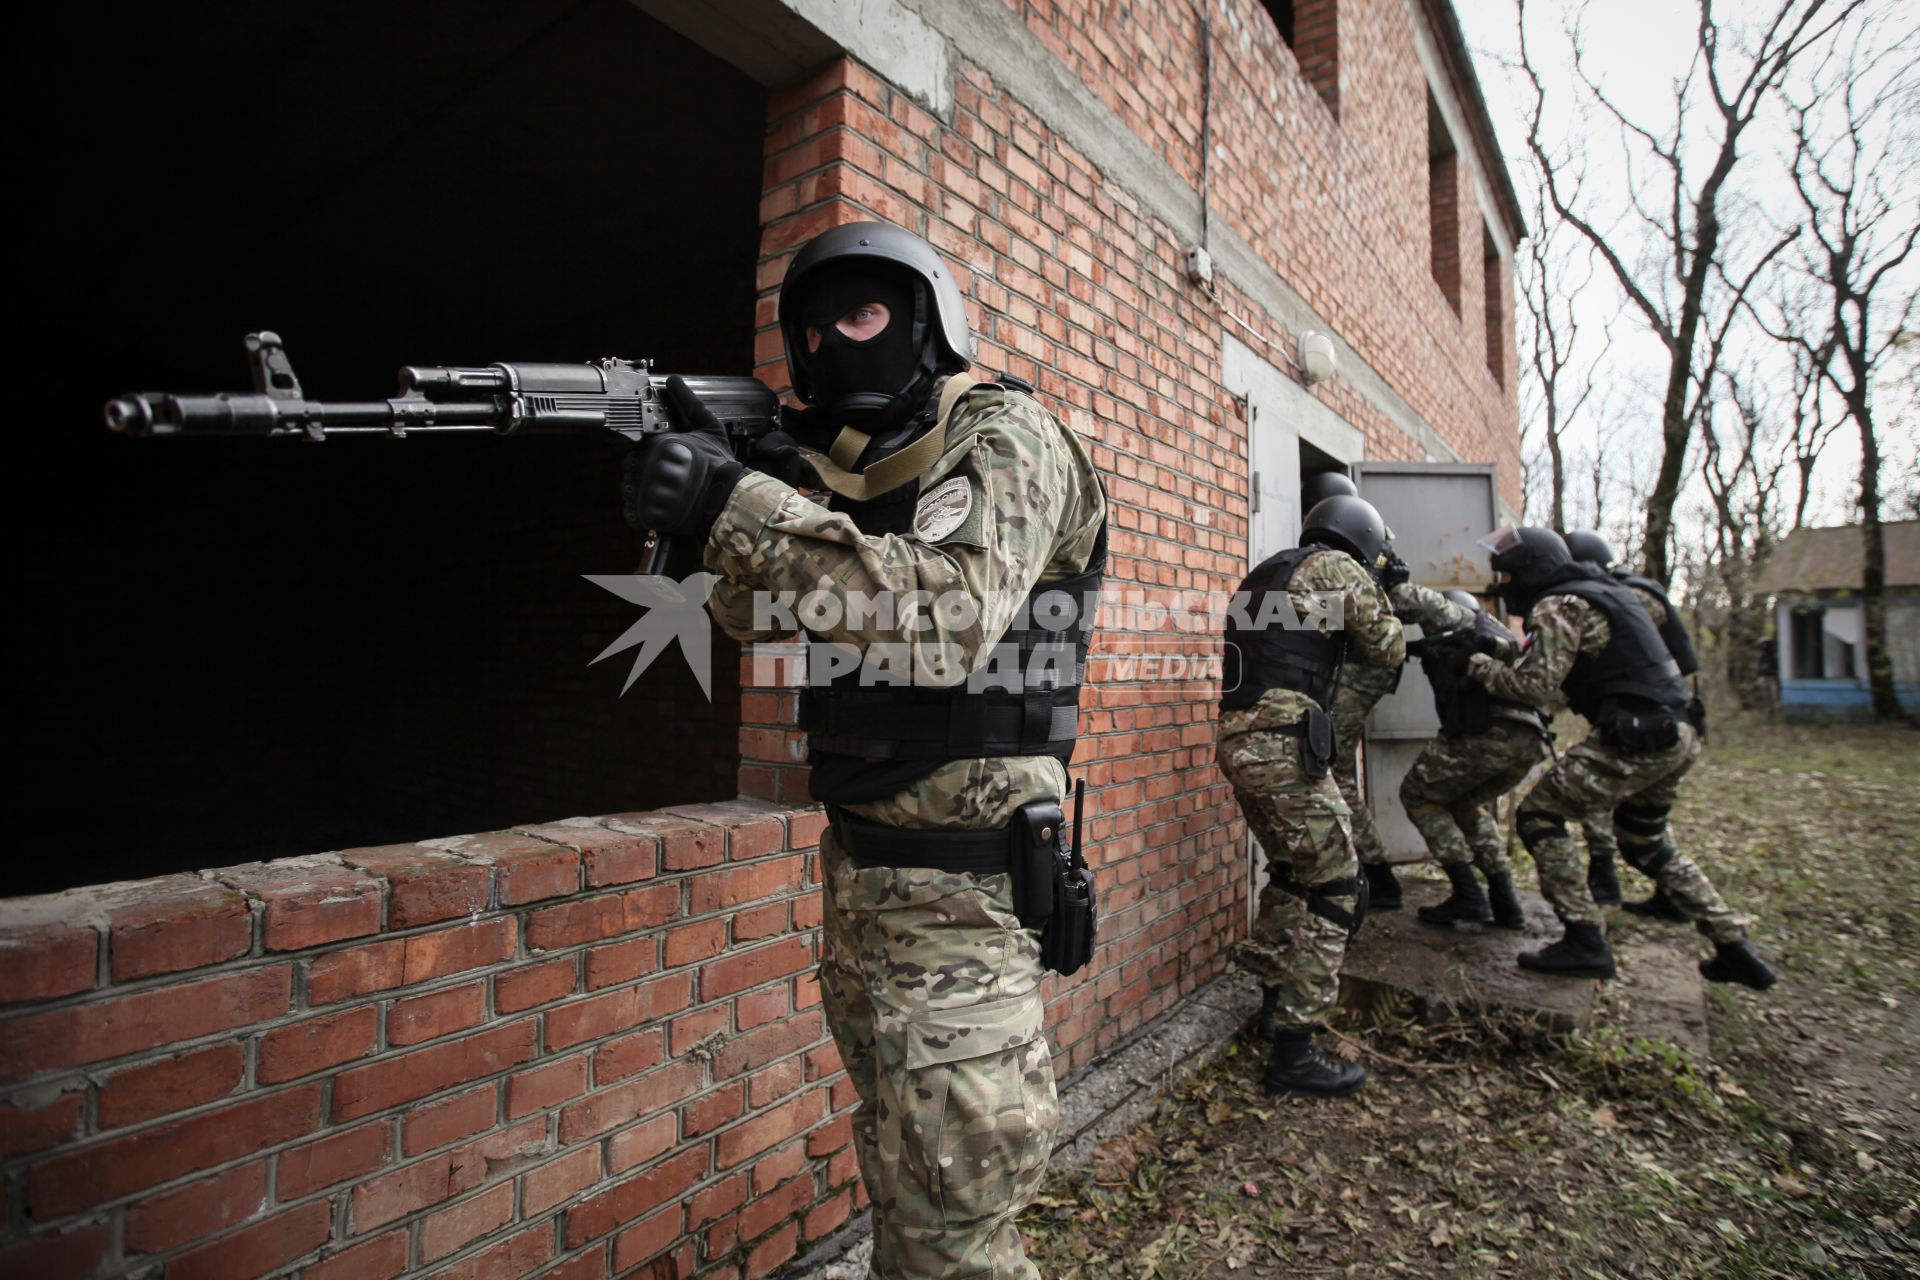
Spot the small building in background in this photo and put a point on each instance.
(1819, 619)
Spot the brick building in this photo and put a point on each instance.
(593, 1046)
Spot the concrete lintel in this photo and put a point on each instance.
(777, 42)
(766, 39)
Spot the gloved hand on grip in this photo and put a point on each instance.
(778, 454)
(678, 483)
(1393, 570)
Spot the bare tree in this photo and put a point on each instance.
(1811, 426)
(1549, 287)
(1859, 233)
(1741, 472)
(1673, 258)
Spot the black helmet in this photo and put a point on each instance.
(1531, 558)
(1585, 544)
(941, 335)
(1348, 524)
(1316, 489)
(1465, 599)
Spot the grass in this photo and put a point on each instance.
(1793, 1152)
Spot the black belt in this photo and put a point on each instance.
(875, 844)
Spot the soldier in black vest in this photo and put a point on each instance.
(1296, 620)
(1589, 638)
(947, 588)
(1603, 844)
(1487, 746)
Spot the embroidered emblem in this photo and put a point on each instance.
(942, 509)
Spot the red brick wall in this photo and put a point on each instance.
(1336, 206)
(577, 1047)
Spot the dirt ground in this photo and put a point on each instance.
(1487, 1149)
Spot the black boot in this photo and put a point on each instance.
(1269, 999)
(1737, 962)
(1383, 891)
(1501, 896)
(1602, 881)
(1467, 902)
(1658, 907)
(1297, 1067)
(1582, 953)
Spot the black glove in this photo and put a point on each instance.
(678, 483)
(777, 454)
(1394, 571)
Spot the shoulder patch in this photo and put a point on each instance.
(943, 508)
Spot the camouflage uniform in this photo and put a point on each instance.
(1598, 832)
(1450, 791)
(1360, 689)
(1594, 779)
(931, 985)
(1300, 821)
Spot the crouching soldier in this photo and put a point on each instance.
(1603, 846)
(1486, 748)
(1359, 689)
(1589, 637)
(1296, 620)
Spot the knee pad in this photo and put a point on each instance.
(1641, 823)
(1536, 825)
(1319, 899)
(1648, 859)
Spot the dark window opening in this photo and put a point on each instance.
(1281, 11)
(1818, 654)
(1807, 633)
(250, 649)
(1443, 204)
(1494, 272)
(1311, 28)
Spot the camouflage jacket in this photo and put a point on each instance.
(1031, 511)
(1375, 642)
(1559, 629)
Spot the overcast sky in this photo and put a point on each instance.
(1637, 48)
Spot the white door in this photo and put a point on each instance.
(1281, 414)
(1438, 512)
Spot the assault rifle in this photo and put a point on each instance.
(622, 397)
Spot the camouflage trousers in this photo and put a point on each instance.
(932, 992)
(1594, 779)
(1302, 824)
(1450, 791)
(1600, 840)
(1347, 729)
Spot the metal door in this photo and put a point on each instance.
(1438, 511)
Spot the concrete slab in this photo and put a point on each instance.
(1459, 972)
(1660, 993)
(1470, 969)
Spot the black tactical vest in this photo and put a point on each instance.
(1463, 704)
(1635, 665)
(866, 743)
(1673, 631)
(1260, 657)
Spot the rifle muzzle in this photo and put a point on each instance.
(130, 415)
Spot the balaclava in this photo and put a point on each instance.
(859, 381)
